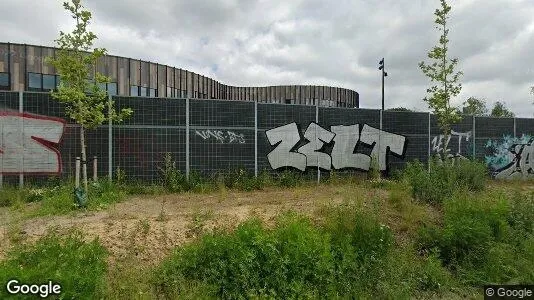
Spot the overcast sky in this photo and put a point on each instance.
(310, 42)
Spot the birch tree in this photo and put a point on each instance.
(79, 89)
(441, 71)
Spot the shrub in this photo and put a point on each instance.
(483, 240)
(444, 178)
(295, 259)
(77, 265)
(171, 178)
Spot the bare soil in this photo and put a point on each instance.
(150, 226)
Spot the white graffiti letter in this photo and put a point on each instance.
(281, 156)
(317, 136)
(343, 155)
(384, 141)
(25, 143)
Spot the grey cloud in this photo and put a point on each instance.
(311, 42)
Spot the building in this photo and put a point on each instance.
(23, 68)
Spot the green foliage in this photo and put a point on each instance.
(444, 178)
(441, 71)
(293, 260)
(288, 178)
(475, 107)
(79, 89)
(69, 260)
(374, 169)
(483, 240)
(501, 111)
(171, 178)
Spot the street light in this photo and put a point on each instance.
(382, 67)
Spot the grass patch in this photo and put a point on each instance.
(485, 238)
(439, 182)
(69, 260)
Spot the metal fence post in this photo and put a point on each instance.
(256, 138)
(110, 144)
(474, 138)
(515, 129)
(21, 110)
(187, 137)
(379, 138)
(428, 160)
(317, 122)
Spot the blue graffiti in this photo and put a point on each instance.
(510, 158)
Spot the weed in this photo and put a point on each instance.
(79, 266)
(444, 179)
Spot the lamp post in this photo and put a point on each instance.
(382, 67)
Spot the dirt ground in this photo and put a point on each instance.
(150, 226)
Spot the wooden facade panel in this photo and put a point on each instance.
(18, 67)
(162, 81)
(34, 59)
(170, 76)
(200, 86)
(153, 75)
(145, 74)
(123, 76)
(189, 83)
(4, 57)
(135, 75)
(48, 52)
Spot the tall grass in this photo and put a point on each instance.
(347, 254)
(440, 181)
(483, 238)
(78, 266)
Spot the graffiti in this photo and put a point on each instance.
(223, 137)
(511, 158)
(440, 143)
(27, 144)
(344, 138)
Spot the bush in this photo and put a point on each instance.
(295, 259)
(444, 178)
(483, 240)
(68, 260)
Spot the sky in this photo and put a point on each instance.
(309, 42)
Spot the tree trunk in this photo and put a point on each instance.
(84, 157)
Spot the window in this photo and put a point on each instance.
(49, 82)
(153, 93)
(102, 86)
(4, 81)
(144, 92)
(134, 90)
(169, 92)
(112, 88)
(35, 81)
(58, 80)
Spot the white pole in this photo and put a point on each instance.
(256, 137)
(95, 166)
(110, 144)
(21, 110)
(317, 122)
(187, 167)
(77, 174)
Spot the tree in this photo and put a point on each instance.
(475, 107)
(441, 72)
(500, 111)
(79, 89)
